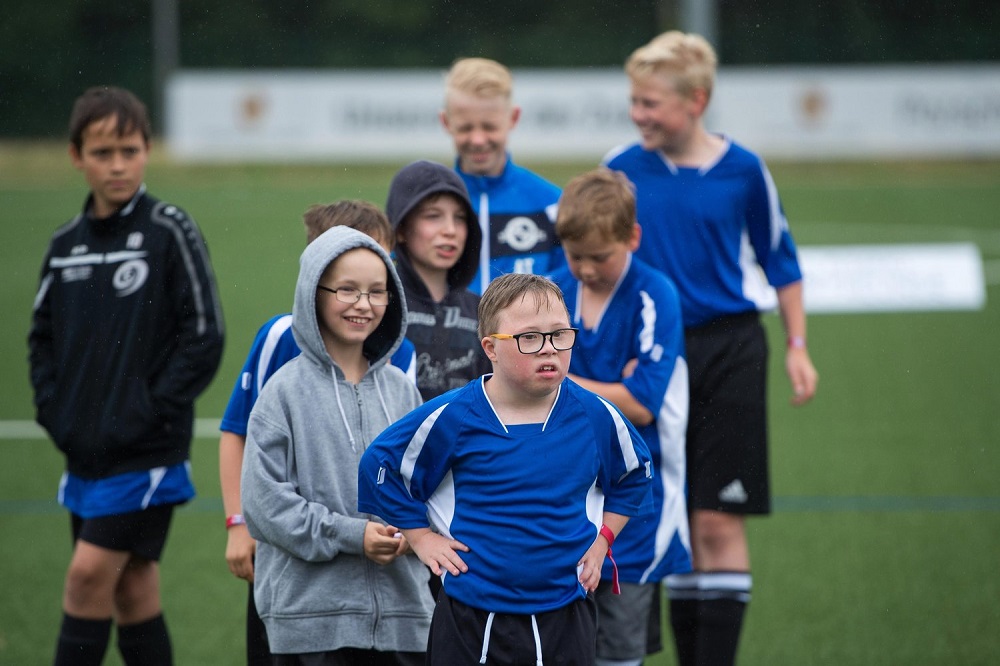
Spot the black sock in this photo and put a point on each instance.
(82, 642)
(706, 615)
(719, 625)
(684, 624)
(146, 643)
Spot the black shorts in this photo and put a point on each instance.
(142, 533)
(727, 466)
(458, 635)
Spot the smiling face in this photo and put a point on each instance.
(345, 326)
(479, 127)
(113, 165)
(666, 120)
(535, 375)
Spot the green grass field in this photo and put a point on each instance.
(884, 545)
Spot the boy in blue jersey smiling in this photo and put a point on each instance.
(630, 350)
(515, 207)
(526, 479)
(714, 224)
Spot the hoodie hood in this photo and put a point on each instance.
(419, 180)
(305, 326)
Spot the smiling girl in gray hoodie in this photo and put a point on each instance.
(330, 579)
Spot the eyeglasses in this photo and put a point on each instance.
(376, 297)
(531, 342)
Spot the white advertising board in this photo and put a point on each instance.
(379, 115)
(892, 278)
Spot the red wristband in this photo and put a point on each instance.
(796, 342)
(234, 520)
(606, 532)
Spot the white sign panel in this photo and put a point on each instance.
(378, 115)
(887, 278)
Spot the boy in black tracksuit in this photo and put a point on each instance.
(437, 255)
(126, 332)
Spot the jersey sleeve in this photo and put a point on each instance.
(657, 344)
(626, 467)
(405, 464)
(405, 359)
(768, 230)
(273, 346)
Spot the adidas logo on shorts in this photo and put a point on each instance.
(734, 493)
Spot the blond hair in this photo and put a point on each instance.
(687, 59)
(600, 201)
(506, 289)
(361, 215)
(479, 77)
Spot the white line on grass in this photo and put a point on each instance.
(203, 428)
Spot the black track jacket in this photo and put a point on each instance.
(126, 332)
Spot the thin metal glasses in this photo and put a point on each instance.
(531, 342)
(376, 297)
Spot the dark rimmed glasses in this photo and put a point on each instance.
(376, 297)
(531, 342)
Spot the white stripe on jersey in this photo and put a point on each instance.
(278, 329)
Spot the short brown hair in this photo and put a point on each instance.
(687, 59)
(601, 201)
(361, 215)
(102, 102)
(508, 288)
(479, 77)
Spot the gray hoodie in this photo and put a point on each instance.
(315, 589)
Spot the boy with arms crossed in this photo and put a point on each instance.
(714, 224)
(526, 479)
(515, 207)
(630, 350)
(437, 248)
(126, 332)
(332, 585)
(274, 346)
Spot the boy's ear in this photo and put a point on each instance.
(488, 344)
(699, 101)
(75, 157)
(443, 117)
(633, 242)
(515, 115)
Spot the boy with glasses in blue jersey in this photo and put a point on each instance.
(630, 350)
(526, 479)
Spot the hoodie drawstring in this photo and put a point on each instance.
(381, 399)
(340, 406)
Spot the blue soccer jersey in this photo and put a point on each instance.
(642, 321)
(719, 231)
(527, 499)
(517, 212)
(274, 346)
